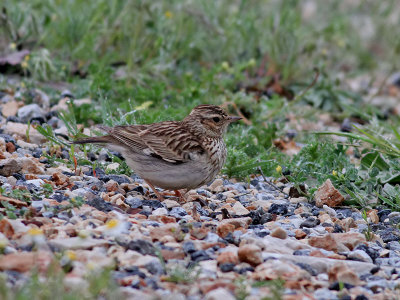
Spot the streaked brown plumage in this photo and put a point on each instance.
(173, 155)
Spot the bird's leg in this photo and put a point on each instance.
(181, 196)
(158, 194)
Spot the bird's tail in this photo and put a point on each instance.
(96, 139)
(91, 140)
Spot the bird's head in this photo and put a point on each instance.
(210, 120)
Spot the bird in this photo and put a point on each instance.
(172, 155)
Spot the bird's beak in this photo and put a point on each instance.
(234, 118)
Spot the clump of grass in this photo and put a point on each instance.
(181, 274)
(51, 285)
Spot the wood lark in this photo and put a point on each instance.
(172, 155)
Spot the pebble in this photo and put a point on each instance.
(279, 233)
(31, 111)
(232, 230)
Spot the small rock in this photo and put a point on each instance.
(154, 267)
(218, 294)
(279, 233)
(74, 243)
(160, 212)
(36, 182)
(9, 166)
(30, 111)
(112, 167)
(278, 209)
(178, 212)
(189, 247)
(311, 222)
(328, 195)
(26, 261)
(267, 217)
(10, 109)
(342, 273)
(250, 253)
(134, 202)
(227, 257)
(326, 242)
(217, 185)
(142, 246)
(152, 203)
(171, 203)
(239, 209)
(359, 255)
(100, 204)
(199, 255)
(373, 216)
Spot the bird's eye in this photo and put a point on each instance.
(216, 119)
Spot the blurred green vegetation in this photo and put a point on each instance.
(147, 61)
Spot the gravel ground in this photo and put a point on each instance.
(230, 239)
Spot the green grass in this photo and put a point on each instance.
(149, 61)
(51, 285)
(143, 62)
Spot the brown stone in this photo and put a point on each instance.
(9, 166)
(342, 273)
(207, 286)
(6, 228)
(251, 254)
(10, 147)
(172, 254)
(162, 219)
(326, 242)
(300, 234)
(15, 202)
(329, 229)
(10, 108)
(59, 178)
(99, 215)
(171, 229)
(199, 233)
(279, 233)
(318, 253)
(284, 269)
(31, 165)
(350, 239)
(26, 261)
(227, 257)
(224, 229)
(328, 195)
(30, 176)
(238, 222)
(372, 214)
(347, 223)
(111, 186)
(21, 130)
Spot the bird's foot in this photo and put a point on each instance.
(159, 195)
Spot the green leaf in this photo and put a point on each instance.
(374, 159)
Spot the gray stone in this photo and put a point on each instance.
(219, 293)
(9, 166)
(36, 182)
(134, 202)
(30, 111)
(325, 294)
(394, 246)
(74, 243)
(359, 255)
(155, 267)
(178, 212)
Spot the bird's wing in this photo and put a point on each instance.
(166, 140)
(127, 135)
